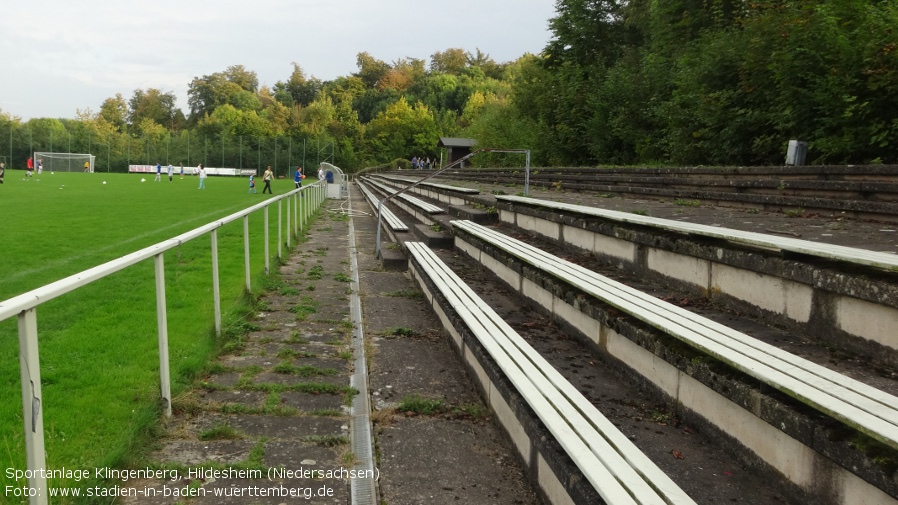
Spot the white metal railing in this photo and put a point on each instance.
(304, 201)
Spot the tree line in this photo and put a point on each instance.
(683, 82)
(717, 82)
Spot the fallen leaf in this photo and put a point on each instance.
(677, 454)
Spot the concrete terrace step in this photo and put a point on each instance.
(869, 192)
(565, 290)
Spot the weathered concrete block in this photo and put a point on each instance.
(769, 293)
(691, 270)
(868, 320)
(549, 484)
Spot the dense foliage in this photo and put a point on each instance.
(620, 82)
(718, 81)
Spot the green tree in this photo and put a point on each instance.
(450, 61)
(402, 131)
(239, 75)
(487, 65)
(587, 34)
(298, 89)
(156, 106)
(497, 124)
(47, 134)
(115, 111)
(371, 70)
(207, 93)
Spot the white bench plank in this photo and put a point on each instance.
(605, 455)
(829, 251)
(412, 180)
(866, 408)
(417, 202)
(392, 220)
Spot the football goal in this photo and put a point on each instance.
(64, 162)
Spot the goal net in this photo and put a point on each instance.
(64, 162)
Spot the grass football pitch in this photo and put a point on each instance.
(98, 345)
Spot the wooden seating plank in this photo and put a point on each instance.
(412, 180)
(392, 220)
(859, 405)
(417, 202)
(593, 442)
(828, 251)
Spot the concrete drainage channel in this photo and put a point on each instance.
(363, 490)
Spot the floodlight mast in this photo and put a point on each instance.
(461, 160)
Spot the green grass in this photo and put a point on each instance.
(220, 432)
(98, 344)
(685, 202)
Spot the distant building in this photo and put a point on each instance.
(456, 148)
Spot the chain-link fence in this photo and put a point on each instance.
(115, 151)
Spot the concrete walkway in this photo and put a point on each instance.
(278, 398)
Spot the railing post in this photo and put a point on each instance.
(162, 323)
(267, 260)
(527, 174)
(216, 290)
(280, 224)
(380, 205)
(30, 372)
(297, 225)
(249, 286)
(289, 230)
(302, 210)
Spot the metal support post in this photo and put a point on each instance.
(527, 175)
(267, 260)
(162, 323)
(380, 205)
(216, 288)
(30, 372)
(249, 286)
(280, 224)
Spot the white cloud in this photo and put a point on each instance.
(59, 56)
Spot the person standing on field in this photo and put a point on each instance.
(158, 172)
(2, 171)
(171, 171)
(182, 170)
(298, 177)
(252, 184)
(201, 174)
(40, 166)
(29, 166)
(267, 176)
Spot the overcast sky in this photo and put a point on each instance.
(57, 56)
